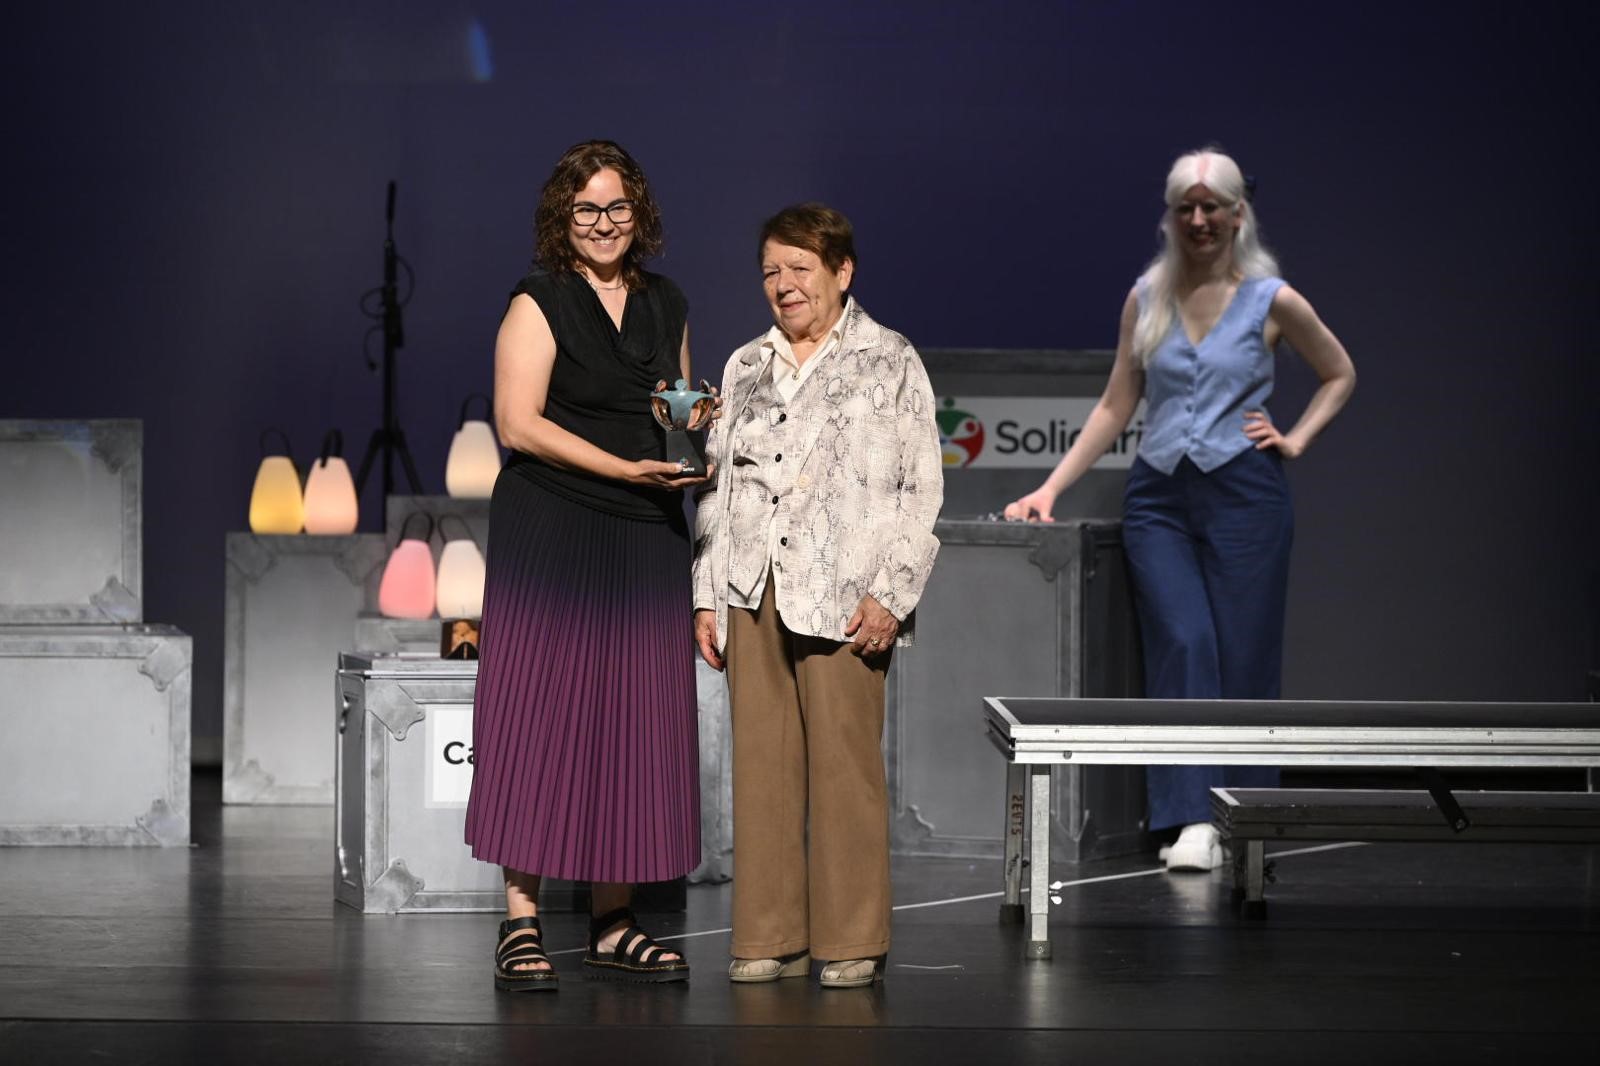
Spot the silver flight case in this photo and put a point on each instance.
(401, 756)
(96, 726)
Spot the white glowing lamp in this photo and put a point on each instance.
(460, 588)
(474, 460)
(276, 505)
(406, 590)
(330, 492)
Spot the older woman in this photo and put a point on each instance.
(1207, 517)
(812, 548)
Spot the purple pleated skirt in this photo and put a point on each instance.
(584, 727)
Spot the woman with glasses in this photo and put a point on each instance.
(1207, 519)
(584, 724)
(812, 546)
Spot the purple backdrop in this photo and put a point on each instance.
(195, 206)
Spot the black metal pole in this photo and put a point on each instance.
(393, 339)
(389, 438)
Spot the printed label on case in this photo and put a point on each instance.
(449, 777)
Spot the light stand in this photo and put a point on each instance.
(389, 437)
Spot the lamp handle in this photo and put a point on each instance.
(488, 408)
(464, 526)
(332, 445)
(288, 449)
(407, 523)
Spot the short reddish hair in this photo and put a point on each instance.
(815, 227)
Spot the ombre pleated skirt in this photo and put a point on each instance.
(584, 726)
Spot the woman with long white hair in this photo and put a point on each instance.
(1207, 520)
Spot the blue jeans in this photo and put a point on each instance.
(1209, 557)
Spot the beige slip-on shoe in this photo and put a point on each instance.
(758, 971)
(852, 973)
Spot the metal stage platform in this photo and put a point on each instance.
(1034, 734)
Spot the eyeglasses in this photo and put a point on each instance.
(620, 212)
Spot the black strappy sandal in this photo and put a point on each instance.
(635, 958)
(519, 951)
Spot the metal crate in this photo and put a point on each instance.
(96, 720)
(716, 776)
(402, 737)
(292, 606)
(70, 537)
(377, 635)
(1023, 608)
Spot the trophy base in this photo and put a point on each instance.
(684, 448)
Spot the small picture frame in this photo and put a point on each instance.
(458, 638)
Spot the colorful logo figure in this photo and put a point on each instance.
(960, 434)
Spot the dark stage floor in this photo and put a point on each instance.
(234, 952)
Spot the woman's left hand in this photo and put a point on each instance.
(1259, 428)
(871, 628)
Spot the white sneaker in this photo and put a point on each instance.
(1198, 847)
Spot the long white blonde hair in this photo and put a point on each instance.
(1159, 282)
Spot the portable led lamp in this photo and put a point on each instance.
(330, 498)
(406, 590)
(460, 585)
(474, 460)
(276, 504)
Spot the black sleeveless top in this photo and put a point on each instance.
(601, 383)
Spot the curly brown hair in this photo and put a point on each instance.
(553, 219)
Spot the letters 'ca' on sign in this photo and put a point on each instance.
(449, 739)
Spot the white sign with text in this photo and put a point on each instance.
(990, 432)
(449, 739)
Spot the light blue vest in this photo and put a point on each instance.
(1196, 395)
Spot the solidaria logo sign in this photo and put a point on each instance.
(1024, 431)
(960, 434)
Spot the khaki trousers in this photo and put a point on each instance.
(807, 748)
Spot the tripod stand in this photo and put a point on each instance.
(389, 438)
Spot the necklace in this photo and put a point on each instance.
(597, 287)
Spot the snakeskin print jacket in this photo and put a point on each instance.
(859, 517)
